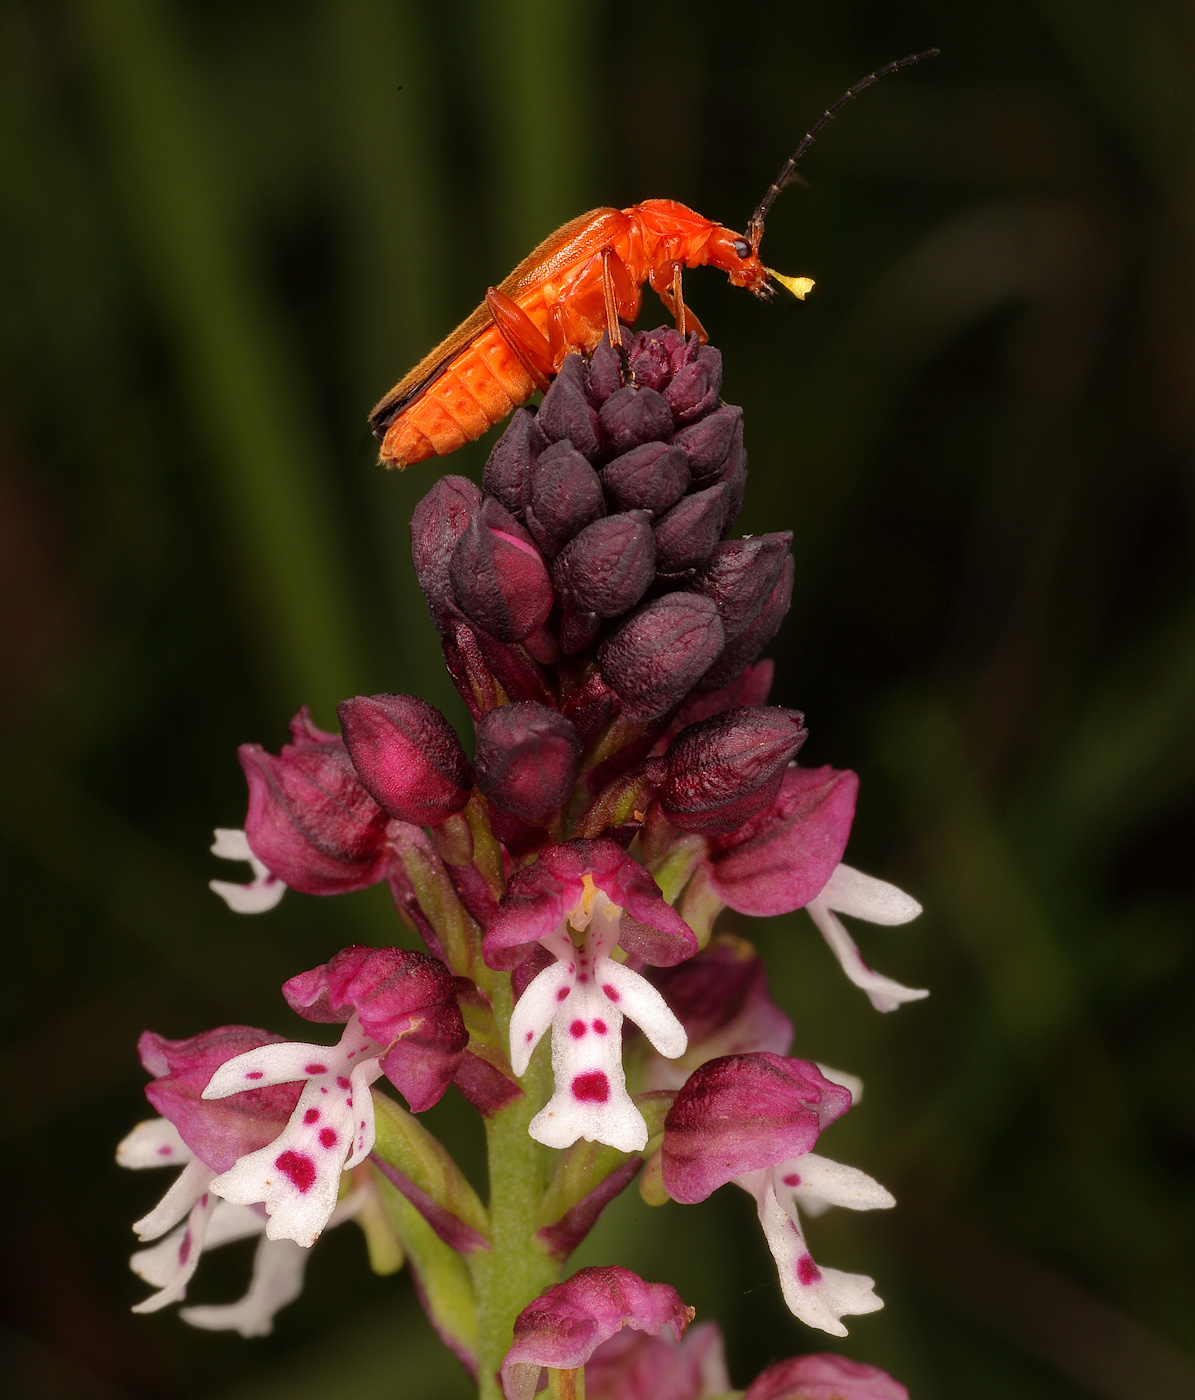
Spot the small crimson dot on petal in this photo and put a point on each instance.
(600, 1027)
(792, 1179)
(184, 1249)
(562, 994)
(591, 1087)
(315, 1069)
(807, 1271)
(610, 991)
(530, 1035)
(577, 1029)
(311, 1116)
(342, 1081)
(582, 978)
(298, 1167)
(349, 1101)
(255, 1074)
(328, 1137)
(166, 1151)
(323, 1088)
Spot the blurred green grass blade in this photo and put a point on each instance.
(260, 437)
(536, 68)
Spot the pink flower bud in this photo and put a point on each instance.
(725, 769)
(566, 495)
(607, 568)
(405, 1000)
(438, 522)
(741, 1113)
(564, 1326)
(407, 756)
(634, 1366)
(824, 1376)
(527, 756)
(658, 655)
(498, 577)
(310, 820)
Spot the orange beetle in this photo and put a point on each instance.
(578, 284)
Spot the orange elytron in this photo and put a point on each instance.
(576, 286)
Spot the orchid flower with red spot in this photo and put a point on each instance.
(753, 1120)
(580, 901)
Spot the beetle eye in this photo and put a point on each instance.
(742, 247)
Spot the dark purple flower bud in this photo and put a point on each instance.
(781, 858)
(468, 668)
(734, 479)
(218, 1131)
(740, 576)
(741, 1113)
(310, 819)
(756, 635)
(507, 474)
(632, 1366)
(605, 371)
(407, 756)
(567, 414)
(439, 520)
(725, 769)
(632, 416)
(498, 578)
(686, 536)
(655, 356)
(651, 477)
(566, 495)
(577, 630)
(564, 1326)
(824, 1376)
(657, 656)
(695, 388)
(607, 567)
(752, 688)
(405, 1000)
(708, 444)
(591, 707)
(527, 757)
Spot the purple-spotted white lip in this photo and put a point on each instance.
(584, 997)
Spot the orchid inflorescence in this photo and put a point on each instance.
(628, 784)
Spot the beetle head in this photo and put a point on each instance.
(736, 257)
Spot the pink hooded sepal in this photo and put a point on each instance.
(405, 1000)
(564, 1326)
(782, 857)
(633, 1366)
(218, 1131)
(824, 1376)
(310, 821)
(742, 1113)
(540, 895)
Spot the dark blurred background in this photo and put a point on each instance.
(228, 227)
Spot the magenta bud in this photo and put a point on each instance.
(655, 356)
(633, 416)
(724, 769)
(708, 443)
(507, 474)
(756, 635)
(650, 477)
(606, 569)
(407, 756)
(498, 577)
(823, 1376)
(695, 388)
(566, 413)
(439, 520)
(605, 371)
(686, 536)
(310, 819)
(527, 757)
(657, 656)
(566, 495)
(740, 576)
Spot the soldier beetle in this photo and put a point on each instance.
(580, 283)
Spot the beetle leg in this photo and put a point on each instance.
(671, 296)
(522, 335)
(619, 292)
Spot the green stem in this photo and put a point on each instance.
(517, 1269)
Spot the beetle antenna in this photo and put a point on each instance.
(788, 172)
